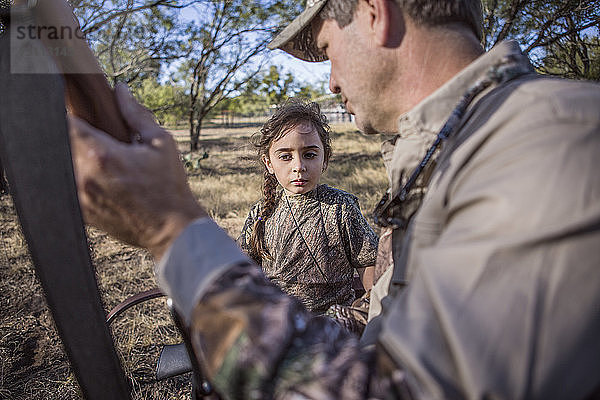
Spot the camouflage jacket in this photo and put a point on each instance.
(316, 241)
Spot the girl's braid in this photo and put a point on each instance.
(269, 202)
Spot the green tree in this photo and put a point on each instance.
(275, 87)
(167, 101)
(577, 56)
(251, 101)
(560, 36)
(313, 92)
(270, 89)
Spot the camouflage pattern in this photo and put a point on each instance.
(255, 342)
(353, 317)
(316, 241)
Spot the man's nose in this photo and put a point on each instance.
(333, 85)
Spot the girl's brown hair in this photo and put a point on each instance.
(289, 115)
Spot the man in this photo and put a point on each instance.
(493, 217)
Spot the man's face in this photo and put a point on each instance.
(357, 72)
(297, 159)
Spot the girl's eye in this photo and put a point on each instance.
(285, 157)
(310, 155)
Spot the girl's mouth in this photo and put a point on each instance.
(299, 182)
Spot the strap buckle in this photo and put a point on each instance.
(384, 215)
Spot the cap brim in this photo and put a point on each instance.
(297, 38)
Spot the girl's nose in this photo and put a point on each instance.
(299, 167)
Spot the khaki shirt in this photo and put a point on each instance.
(503, 255)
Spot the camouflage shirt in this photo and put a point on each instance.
(316, 240)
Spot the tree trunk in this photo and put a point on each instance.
(192, 130)
(196, 136)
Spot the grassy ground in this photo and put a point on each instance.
(32, 362)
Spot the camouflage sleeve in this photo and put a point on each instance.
(256, 342)
(360, 238)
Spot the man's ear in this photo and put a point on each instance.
(267, 161)
(386, 21)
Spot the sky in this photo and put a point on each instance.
(313, 73)
(303, 71)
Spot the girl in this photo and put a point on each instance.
(308, 238)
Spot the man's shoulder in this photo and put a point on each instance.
(576, 101)
(557, 98)
(533, 107)
(525, 147)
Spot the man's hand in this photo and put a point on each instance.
(136, 192)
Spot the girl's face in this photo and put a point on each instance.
(297, 159)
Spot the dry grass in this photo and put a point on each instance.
(32, 362)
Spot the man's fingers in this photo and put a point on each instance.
(137, 116)
(82, 133)
(94, 153)
(89, 143)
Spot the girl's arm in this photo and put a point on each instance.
(366, 276)
(361, 241)
(244, 238)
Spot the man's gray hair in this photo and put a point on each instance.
(422, 12)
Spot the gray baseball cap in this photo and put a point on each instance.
(297, 38)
